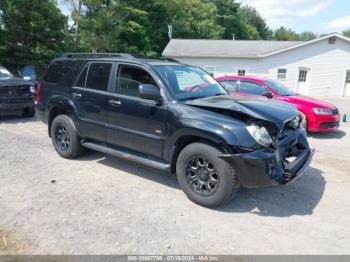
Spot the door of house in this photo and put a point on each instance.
(347, 83)
(303, 80)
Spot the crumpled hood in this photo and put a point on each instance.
(269, 110)
(15, 82)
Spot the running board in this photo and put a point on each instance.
(127, 155)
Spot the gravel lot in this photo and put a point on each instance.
(103, 205)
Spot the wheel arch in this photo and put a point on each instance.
(187, 139)
(60, 106)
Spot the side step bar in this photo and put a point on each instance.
(127, 155)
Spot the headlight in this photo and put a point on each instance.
(295, 122)
(32, 89)
(260, 135)
(322, 111)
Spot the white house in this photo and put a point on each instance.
(320, 67)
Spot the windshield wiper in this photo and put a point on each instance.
(191, 98)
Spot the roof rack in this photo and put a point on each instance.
(123, 55)
(97, 55)
(155, 57)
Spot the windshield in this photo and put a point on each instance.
(187, 82)
(279, 88)
(5, 74)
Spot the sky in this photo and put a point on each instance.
(320, 16)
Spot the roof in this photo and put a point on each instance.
(234, 48)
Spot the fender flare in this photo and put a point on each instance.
(64, 104)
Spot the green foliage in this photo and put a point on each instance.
(284, 34)
(346, 33)
(32, 32)
(307, 36)
(251, 17)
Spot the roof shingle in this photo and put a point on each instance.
(224, 48)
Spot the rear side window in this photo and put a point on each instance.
(60, 71)
(98, 76)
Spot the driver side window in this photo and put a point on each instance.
(251, 88)
(129, 78)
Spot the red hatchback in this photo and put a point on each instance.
(319, 116)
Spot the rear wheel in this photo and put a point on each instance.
(65, 137)
(28, 112)
(205, 178)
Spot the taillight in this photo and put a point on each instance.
(37, 95)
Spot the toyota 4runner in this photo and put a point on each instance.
(173, 117)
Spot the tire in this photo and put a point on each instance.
(28, 112)
(65, 137)
(194, 156)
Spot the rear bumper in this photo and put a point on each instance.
(272, 167)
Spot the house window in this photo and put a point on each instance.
(302, 75)
(281, 73)
(241, 72)
(210, 70)
(347, 79)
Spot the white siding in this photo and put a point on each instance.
(327, 65)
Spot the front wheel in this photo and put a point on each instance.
(205, 178)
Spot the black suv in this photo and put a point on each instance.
(16, 94)
(174, 117)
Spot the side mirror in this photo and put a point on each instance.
(150, 92)
(268, 94)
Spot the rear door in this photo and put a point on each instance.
(135, 123)
(90, 98)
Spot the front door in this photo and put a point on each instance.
(303, 80)
(347, 83)
(135, 123)
(90, 99)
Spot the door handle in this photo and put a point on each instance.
(114, 102)
(76, 95)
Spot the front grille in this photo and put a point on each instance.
(329, 124)
(15, 91)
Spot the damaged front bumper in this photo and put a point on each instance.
(273, 166)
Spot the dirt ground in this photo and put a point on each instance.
(103, 205)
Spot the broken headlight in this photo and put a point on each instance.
(260, 134)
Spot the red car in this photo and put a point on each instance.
(319, 116)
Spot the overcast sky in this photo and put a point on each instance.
(320, 16)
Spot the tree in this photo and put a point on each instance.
(252, 18)
(284, 34)
(346, 33)
(307, 36)
(76, 11)
(32, 32)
